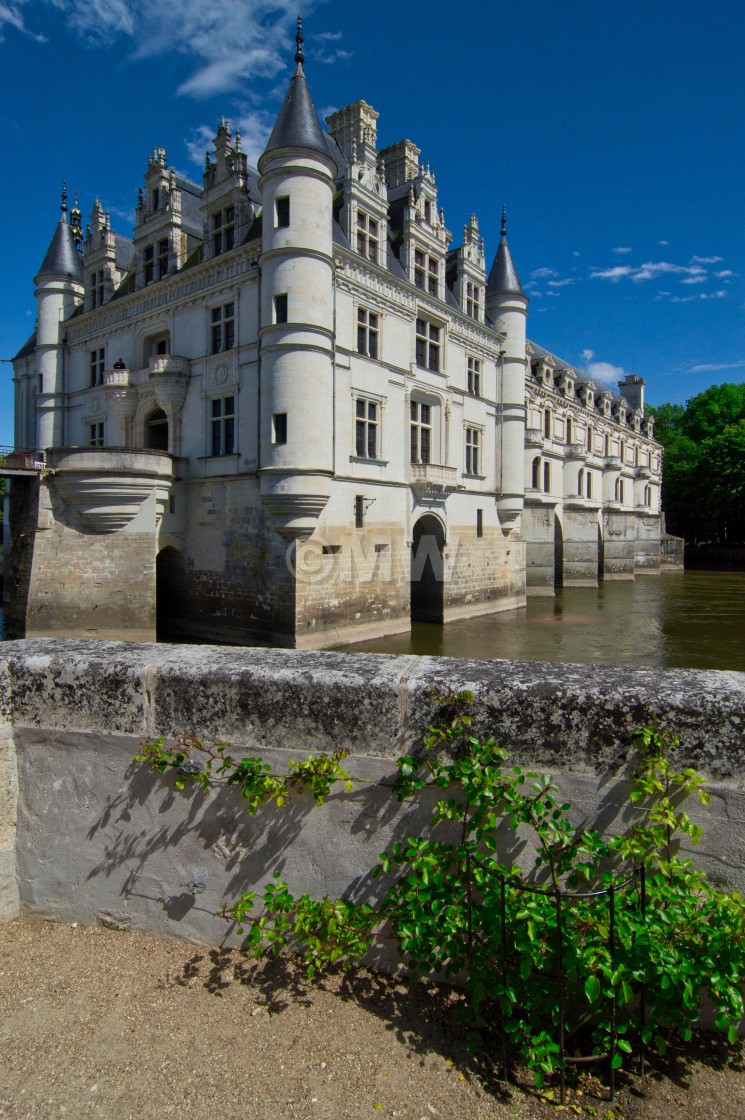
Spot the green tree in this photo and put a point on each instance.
(703, 483)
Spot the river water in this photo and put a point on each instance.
(693, 620)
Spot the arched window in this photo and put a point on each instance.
(536, 478)
(156, 431)
(580, 480)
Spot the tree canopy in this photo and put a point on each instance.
(703, 481)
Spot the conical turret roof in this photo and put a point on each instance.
(297, 124)
(503, 279)
(62, 258)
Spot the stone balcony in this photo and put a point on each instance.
(642, 472)
(612, 463)
(160, 364)
(534, 437)
(434, 473)
(576, 451)
(118, 378)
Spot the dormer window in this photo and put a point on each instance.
(223, 230)
(547, 376)
(162, 258)
(426, 272)
(472, 300)
(155, 198)
(149, 264)
(427, 211)
(367, 236)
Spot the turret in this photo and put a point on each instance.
(297, 313)
(506, 307)
(59, 290)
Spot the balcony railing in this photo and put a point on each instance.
(433, 474)
(534, 437)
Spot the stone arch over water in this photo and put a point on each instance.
(170, 592)
(427, 570)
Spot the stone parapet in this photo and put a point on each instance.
(98, 839)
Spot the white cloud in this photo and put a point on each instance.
(663, 242)
(622, 249)
(561, 283)
(705, 260)
(605, 372)
(11, 15)
(575, 253)
(613, 274)
(694, 279)
(725, 273)
(587, 355)
(228, 40)
(649, 271)
(720, 294)
(541, 272)
(714, 367)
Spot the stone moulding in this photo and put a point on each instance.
(107, 487)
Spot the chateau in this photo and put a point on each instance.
(290, 410)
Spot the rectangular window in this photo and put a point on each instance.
(588, 482)
(472, 450)
(280, 308)
(472, 300)
(279, 424)
(96, 285)
(588, 439)
(367, 236)
(421, 432)
(474, 376)
(547, 427)
(419, 261)
(427, 345)
(97, 362)
(95, 435)
(223, 230)
(223, 426)
(433, 277)
(366, 429)
(368, 328)
(359, 512)
(149, 264)
(162, 258)
(547, 477)
(479, 522)
(223, 328)
(283, 212)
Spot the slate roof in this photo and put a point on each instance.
(297, 124)
(62, 258)
(28, 347)
(580, 377)
(503, 279)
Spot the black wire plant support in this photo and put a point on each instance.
(560, 976)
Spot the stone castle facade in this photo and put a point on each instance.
(289, 410)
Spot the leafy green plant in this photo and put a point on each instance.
(207, 765)
(601, 946)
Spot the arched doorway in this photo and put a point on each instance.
(170, 593)
(156, 431)
(558, 552)
(427, 570)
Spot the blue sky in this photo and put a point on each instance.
(613, 132)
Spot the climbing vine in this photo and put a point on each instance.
(623, 927)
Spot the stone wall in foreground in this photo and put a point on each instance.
(87, 836)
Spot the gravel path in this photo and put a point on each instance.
(106, 1024)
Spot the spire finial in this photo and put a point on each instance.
(504, 220)
(63, 207)
(299, 55)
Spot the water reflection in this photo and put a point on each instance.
(690, 620)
